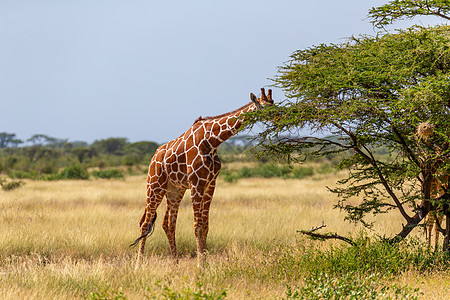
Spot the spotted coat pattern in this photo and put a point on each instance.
(191, 162)
(432, 220)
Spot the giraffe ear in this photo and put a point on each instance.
(253, 97)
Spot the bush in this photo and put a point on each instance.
(363, 271)
(165, 292)
(271, 170)
(17, 174)
(162, 292)
(73, 172)
(227, 175)
(267, 171)
(105, 294)
(326, 168)
(369, 256)
(302, 172)
(350, 286)
(108, 174)
(47, 169)
(245, 173)
(130, 160)
(12, 185)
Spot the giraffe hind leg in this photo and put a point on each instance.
(142, 218)
(148, 224)
(436, 231)
(429, 221)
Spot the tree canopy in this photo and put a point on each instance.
(366, 93)
(9, 140)
(407, 9)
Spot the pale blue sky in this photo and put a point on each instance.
(145, 70)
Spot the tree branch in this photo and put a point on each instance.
(405, 146)
(397, 10)
(437, 13)
(412, 223)
(373, 162)
(326, 236)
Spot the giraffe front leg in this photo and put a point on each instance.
(202, 182)
(198, 228)
(201, 203)
(206, 202)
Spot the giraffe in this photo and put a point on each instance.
(433, 220)
(190, 162)
(439, 184)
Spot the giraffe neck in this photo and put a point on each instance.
(219, 129)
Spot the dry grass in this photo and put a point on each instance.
(67, 239)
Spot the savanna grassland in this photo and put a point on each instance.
(70, 239)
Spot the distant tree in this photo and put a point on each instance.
(370, 92)
(45, 140)
(9, 140)
(110, 146)
(78, 144)
(81, 153)
(15, 143)
(139, 152)
(57, 143)
(243, 141)
(36, 153)
(408, 9)
(141, 148)
(37, 139)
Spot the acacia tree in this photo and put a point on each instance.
(366, 93)
(401, 9)
(9, 140)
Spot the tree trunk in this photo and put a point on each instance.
(422, 210)
(415, 220)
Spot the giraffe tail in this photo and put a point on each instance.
(149, 232)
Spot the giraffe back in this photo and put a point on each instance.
(190, 156)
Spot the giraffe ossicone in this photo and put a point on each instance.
(191, 162)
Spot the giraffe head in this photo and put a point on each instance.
(264, 100)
